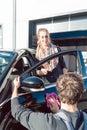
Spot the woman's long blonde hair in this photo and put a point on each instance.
(38, 40)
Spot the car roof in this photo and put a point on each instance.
(19, 51)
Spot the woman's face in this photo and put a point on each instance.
(44, 38)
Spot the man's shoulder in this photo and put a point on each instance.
(85, 115)
(62, 115)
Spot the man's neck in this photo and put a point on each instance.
(69, 107)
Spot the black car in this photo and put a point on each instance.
(33, 87)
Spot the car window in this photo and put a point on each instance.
(72, 64)
(5, 58)
(21, 66)
(26, 63)
(84, 53)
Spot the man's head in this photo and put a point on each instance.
(70, 87)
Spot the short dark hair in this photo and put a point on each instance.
(70, 87)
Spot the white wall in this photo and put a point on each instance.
(27, 10)
(6, 22)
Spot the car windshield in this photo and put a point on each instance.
(5, 58)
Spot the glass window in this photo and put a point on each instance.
(5, 58)
(85, 58)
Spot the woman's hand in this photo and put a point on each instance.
(65, 70)
(41, 72)
(44, 71)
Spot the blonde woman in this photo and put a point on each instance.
(44, 49)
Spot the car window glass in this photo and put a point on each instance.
(85, 58)
(26, 63)
(71, 62)
(5, 58)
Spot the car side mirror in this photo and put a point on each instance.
(33, 84)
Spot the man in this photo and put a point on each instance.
(70, 90)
